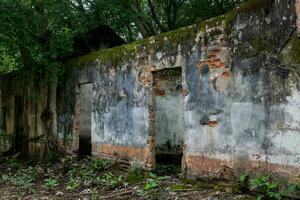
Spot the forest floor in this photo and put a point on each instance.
(101, 179)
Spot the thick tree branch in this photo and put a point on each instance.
(143, 25)
(154, 16)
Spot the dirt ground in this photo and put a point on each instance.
(101, 179)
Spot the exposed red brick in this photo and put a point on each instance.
(159, 92)
(153, 68)
(201, 63)
(225, 74)
(203, 166)
(198, 165)
(146, 79)
(132, 153)
(149, 162)
(212, 123)
(222, 64)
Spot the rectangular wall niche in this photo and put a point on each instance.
(85, 116)
(169, 121)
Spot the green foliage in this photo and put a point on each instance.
(34, 34)
(24, 177)
(37, 35)
(100, 164)
(243, 177)
(242, 183)
(267, 187)
(150, 184)
(8, 61)
(50, 182)
(88, 172)
(181, 187)
(135, 175)
(73, 184)
(111, 180)
(153, 181)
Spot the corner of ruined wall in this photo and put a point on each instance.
(252, 53)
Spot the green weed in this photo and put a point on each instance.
(153, 181)
(111, 180)
(135, 175)
(50, 182)
(73, 184)
(267, 187)
(24, 177)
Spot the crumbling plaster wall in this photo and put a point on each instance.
(240, 79)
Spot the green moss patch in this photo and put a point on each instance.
(293, 50)
(254, 47)
(181, 187)
(135, 176)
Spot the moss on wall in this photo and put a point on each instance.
(127, 51)
(294, 51)
(291, 54)
(254, 47)
(176, 37)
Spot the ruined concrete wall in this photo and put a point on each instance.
(239, 85)
(240, 75)
(246, 97)
(120, 112)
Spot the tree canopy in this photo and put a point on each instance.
(36, 34)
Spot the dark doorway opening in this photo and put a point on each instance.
(169, 120)
(85, 102)
(19, 143)
(3, 118)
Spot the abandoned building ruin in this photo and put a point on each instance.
(218, 98)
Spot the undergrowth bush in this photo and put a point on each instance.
(268, 187)
(24, 177)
